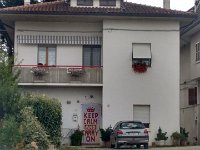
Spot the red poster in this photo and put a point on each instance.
(91, 114)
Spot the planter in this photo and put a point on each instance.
(183, 142)
(175, 142)
(160, 143)
(107, 144)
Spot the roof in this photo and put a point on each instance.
(63, 8)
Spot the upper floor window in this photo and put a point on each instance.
(192, 96)
(92, 55)
(85, 2)
(107, 2)
(47, 55)
(198, 51)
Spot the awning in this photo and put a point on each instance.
(51, 39)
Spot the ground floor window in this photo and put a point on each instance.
(142, 113)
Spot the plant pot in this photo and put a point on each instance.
(183, 142)
(160, 143)
(175, 142)
(107, 144)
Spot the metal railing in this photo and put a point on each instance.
(60, 74)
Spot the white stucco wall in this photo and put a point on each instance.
(66, 54)
(158, 87)
(72, 94)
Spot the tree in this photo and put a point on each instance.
(11, 3)
(9, 91)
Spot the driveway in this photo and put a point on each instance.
(164, 148)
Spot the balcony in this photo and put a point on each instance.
(60, 75)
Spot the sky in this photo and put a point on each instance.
(183, 5)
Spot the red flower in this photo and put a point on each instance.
(140, 68)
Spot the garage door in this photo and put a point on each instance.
(142, 113)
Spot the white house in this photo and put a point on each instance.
(105, 61)
(190, 74)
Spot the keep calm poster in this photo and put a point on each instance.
(91, 115)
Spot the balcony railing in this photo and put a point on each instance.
(60, 74)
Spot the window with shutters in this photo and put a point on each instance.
(47, 55)
(192, 96)
(85, 2)
(92, 55)
(107, 2)
(142, 113)
(197, 52)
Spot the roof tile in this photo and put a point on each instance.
(63, 8)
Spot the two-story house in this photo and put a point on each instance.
(105, 60)
(190, 74)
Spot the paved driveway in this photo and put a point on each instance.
(166, 148)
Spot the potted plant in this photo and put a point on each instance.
(161, 137)
(76, 138)
(175, 138)
(183, 136)
(105, 136)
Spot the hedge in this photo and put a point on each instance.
(49, 113)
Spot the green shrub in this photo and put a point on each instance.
(9, 91)
(161, 135)
(49, 113)
(32, 130)
(9, 133)
(105, 134)
(183, 136)
(76, 138)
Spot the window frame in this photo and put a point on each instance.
(85, 2)
(46, 56)
(192, 96)
(107, 2)
(91, 55)
(197, 52)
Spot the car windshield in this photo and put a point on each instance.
(131, 125)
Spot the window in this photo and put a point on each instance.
(91, 55)
(197, 51)
(47, 55)
(142, 53)
(107, 2)
(142, 113)
(192, 96)
(85, 2)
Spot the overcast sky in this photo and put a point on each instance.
(175, 4)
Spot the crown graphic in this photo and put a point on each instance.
(90, 109)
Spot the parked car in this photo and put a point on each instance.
(129, 133)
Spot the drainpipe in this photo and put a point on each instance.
(27, 2)
(166, 4)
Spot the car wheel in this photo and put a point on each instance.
(146, 146)
(138, 145)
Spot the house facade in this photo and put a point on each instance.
(105, 61)
(189, 81)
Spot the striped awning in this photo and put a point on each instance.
(69, 40)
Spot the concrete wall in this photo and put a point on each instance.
(72, 94)
(189, 79)
(66, 54)
(158, 87)
(195, 67)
